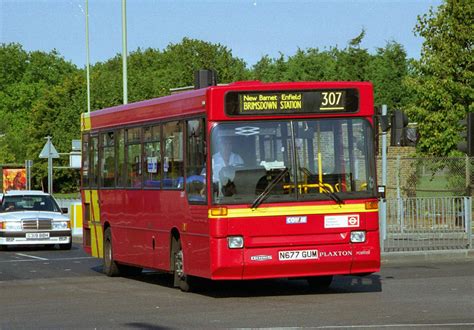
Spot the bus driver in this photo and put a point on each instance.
(223, 158)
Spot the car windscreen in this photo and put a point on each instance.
(29, 203)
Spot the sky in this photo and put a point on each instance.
(249, 28)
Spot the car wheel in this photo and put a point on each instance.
(3, 247)
(110, 266)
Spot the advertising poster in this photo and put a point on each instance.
(14, 179)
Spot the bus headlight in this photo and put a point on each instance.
(60, 225)
(358, 237)
(235, 242)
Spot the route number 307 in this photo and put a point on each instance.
(331, 98)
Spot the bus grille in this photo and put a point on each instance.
(41, 224)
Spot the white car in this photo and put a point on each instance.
(33, 218)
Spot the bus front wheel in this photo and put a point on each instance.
(185, 282)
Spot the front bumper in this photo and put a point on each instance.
(19, 238)
(322, 259)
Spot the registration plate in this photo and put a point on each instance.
(37, 235)
(298, 255)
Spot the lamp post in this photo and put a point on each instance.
(124, 50)
(88, 59)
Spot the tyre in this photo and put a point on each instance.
(319, 282)
(110, 266)
(3, 247)
(185, 282)
(66, 246)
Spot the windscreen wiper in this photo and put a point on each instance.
(332, 195)
(260, 198)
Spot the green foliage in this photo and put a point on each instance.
(387, 69)
(442, 80)
(24, 77)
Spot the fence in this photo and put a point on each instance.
(427, 223)
(429, 204)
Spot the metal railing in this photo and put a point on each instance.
(427, 223)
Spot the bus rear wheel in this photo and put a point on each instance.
(185, 282)
(110, 266)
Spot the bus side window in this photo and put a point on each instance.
(173, 162)
(120, 156)
(107, 159)
(94, 161)
(196, 160)
(152, 156)
(85, 160)
(133, 154)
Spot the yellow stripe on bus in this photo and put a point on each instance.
(95, 226)
(293, 210)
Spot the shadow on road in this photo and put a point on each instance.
(272, 287)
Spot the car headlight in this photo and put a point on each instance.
(358, 237)
(12, 225)
(60, 225)
(235, 242)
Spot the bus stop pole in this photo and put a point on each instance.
(50, 167)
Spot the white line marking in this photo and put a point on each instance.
(408, 325)
(29, 256)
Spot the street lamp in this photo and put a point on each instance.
(124, 50)
(88, 59)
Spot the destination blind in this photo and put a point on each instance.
(291, 102)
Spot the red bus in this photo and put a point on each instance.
(248, 180)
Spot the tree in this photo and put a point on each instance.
(62, 105)
(387, 70)
(24, 77)
(443, 77)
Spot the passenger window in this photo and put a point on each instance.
(94, 161)
(107, 161)
(173, 165)
(152, 156)
(133, 154)
(196, 161)
(120, 152)
(85, 160)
